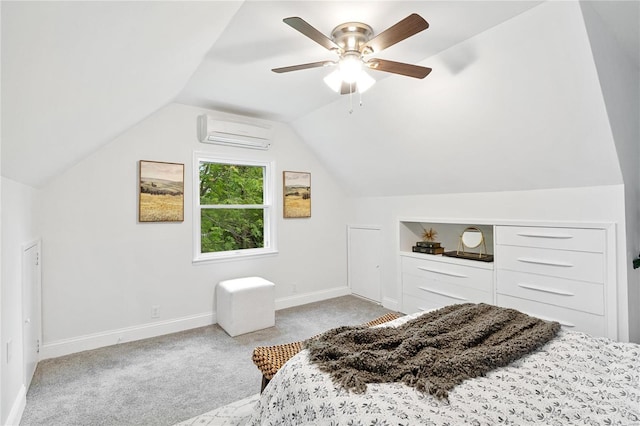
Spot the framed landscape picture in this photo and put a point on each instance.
(297, 194)
(161, 192)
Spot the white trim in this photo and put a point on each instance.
(229, 256)
(316, 296)
(145, 331)
(268, 206)
(17, 408)
(372, 227)
(32, 243)
(617, 327)
(127, 334)
(507, 222)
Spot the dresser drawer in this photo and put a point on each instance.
(462, 275)
(559, 263)
(446, 293)
(568, 318)
(412, 304)
(578, 295)
(591, 240)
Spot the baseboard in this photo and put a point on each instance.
(128, 334)
(316, 296)
(15, 415)
(145, 331)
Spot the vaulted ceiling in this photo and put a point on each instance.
(77, 74)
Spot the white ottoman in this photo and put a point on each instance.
(245, 304)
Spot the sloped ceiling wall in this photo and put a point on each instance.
(619, 77)
(517, 107)
(619, 74)
(520, 99)
(77, 74)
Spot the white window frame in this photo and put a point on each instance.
(270, 219)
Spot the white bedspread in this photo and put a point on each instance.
(575, 379)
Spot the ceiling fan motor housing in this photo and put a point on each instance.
(351, 36)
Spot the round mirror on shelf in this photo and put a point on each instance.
(472, 238)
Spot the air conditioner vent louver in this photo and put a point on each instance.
(234, 133)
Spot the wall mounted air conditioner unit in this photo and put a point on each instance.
(234, 133)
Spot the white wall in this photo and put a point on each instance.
(19, 227)
(603, 204)
(94, 69)
(103, 270)
(619, 78)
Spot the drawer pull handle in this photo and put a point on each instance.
(545, 262)
(562, 323)
(441, 293)
(435, 271)
(541, 235)
(546, 289)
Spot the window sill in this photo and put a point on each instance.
(233, 256)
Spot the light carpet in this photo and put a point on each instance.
(166, 379)
(234, 414)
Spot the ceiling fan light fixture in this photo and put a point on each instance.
(334, 81)
(364, 82)
(350, 67)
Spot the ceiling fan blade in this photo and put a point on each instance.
(303, 66)
(409, 70)
(409, 26)
(305, 28)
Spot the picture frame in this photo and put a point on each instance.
(296, 194)
(161, 191)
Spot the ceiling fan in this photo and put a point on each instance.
(354, 42)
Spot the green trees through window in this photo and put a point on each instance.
(232, 206)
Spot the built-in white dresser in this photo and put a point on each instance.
(430, 282)
(558, 273)
(553, 273)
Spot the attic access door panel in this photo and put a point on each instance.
(364, 247)
(31, 309)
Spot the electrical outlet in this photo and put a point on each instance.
(155, 311)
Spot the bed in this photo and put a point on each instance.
(573, 379)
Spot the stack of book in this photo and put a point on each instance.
(428, 247)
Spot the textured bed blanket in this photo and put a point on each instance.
(433, 352)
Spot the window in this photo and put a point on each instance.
(233, 208)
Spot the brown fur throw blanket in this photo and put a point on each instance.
(433, 352)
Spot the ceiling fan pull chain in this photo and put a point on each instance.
(350, 98)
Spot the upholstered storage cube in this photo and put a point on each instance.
(245, 304)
